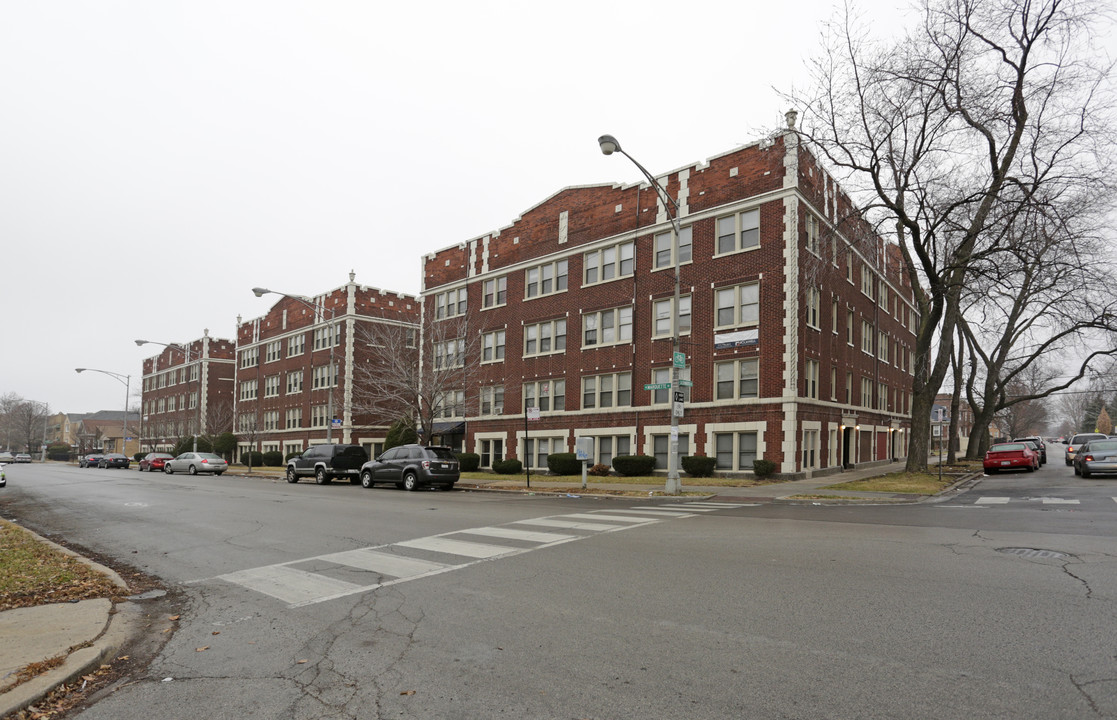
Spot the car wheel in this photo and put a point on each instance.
(321, 477)
(1069, 463)
(193, 470)
(217, 474)
(291, 476)
(448, 486)
(410, 481)
(1076, 472)
(167, 470)
(366, 479)
(1085, 473)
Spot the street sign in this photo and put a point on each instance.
(658, 386)
(678, 397)
(677, 409)
(678, 360)
(686, 383)
(336, 422)
(533, 413)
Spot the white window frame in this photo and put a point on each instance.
(610, 263)
(744, 313)
(665, 251)
(493, 346)
(607, 387)
(536, 279)
(551, 333)
(662, 311)
(739, 375)
(494, 292)
(619, 321)
(745, 232)
(552, 389)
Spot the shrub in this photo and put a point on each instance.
(698, 465)
(598, 470)
(469, 462)
(225, 444)
(272, 458)
(292, 454)
(634, 465)
(253, 458)
(402, 432)
(763, 468)
(508, 467)
(564, 464)
(139, 456)
(186, 445)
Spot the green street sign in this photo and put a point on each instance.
(686, 383)
(679, 360)
(658, 386)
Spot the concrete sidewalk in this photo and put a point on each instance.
(84, 635)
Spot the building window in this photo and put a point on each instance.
(663, 375)
(538, 448)
(661, 449)
(814, 299)
(812, 234)
(866, 280)
(193, 400)
(545, 279)
(882, 346)
(849, 388)
(323, 376)
(294, 418)
(737, 379)
(247, 390)
(492, 346)
(849, 328)
(323, 335)
(271, 386)
(296, 345)
(866, 337)
(810, 449)
(318, 417)
(609, 263)
(449, 354)
(605, 391)
(738, 232)
(449, 304)
(661, 317)
(545, 338)
(607, 447)
(452, 404)
(810, 377)
(834, 316)
(866, 392)
(735, 451)
(546, 395)
(273, 350)
(271, 420)
(882, 294)
(494, 292)
(248, 358)
(171, 404)
(607, 327)
(738, 305)
(664, 257)
(849, 266)
(491, 451)
(833, 383)
(294, 382)
(492, 400)
(882, 397)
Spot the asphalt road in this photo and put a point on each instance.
(339, 602)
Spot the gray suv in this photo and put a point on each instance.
(413, 466)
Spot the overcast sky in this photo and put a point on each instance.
(160, 159)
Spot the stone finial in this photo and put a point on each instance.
(352, 276)
(791, 116)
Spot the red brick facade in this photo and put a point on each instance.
(187, 388)
(805, 254)
(282, 385)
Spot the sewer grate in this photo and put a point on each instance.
(1033, 553)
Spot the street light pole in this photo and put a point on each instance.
(198, 400)
(609, 145)
(332, 377)
(127, 387)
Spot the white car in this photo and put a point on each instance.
(3, 480)
(195, 463)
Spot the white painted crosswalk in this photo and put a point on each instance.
(993, 500)
(316, 579)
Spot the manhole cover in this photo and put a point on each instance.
(1033, 553)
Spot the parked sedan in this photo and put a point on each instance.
(3, 480)
(1096, 457)
(90, 460)
(114, 460)
(154, 461)
(1074, 443)
(413, 466)
(195, 463)
(23, 458)
(1011, 456)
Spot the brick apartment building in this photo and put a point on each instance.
(284, 376)
(187, 389)
(796, 324)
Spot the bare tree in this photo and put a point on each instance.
(426, 376)
(220, 418)
(949, 131)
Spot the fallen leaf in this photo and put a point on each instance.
(174, 617)
(408, 692)
(201, 649)
(302, 662)
(215, 632)
(124, 657)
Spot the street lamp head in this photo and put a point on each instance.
(260, 292)
(141, 342)
(609, 144)
(78, 370)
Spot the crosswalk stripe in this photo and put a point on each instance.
(657, 509)
(690, 506)
(706, 503)
(570, 524)
(992, 500)
(288, 584)
(1059, 501)
(457, 547)
(610, 518)
(383, 563)
(653, 513)
(513, 534)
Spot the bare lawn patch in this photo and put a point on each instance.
(901, 482)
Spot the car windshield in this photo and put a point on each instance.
(442, 453)
(1007, 447)
(209, 456)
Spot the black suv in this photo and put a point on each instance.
(325, 462)
(413, 466)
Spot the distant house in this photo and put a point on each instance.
(108, 431)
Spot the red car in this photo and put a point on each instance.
(1011, 456)
(154, 461)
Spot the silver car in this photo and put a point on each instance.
(1096, 457)
(195, 463)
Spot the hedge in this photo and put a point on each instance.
(564, 464)
(763, 468)
(634, 465)
(508, 467)
(468, 462)
(698, 465)
(254, 458)
(272, 458)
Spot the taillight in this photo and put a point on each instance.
(1088, 458)
(1070, 448)
(205, 461)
